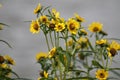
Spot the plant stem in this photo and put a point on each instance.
(47, 42)
(51, 38)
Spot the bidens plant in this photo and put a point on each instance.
(72, 53)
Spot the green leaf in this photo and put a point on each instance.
(97, 64)
(114, 68)
(78, 78)
(6, 43)
(4, 24)
(45, 9)
(116, 73)
(21, 79)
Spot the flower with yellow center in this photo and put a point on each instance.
(73, 26)
(37, 9)
(9, 59)
(59, 27)
(52, 52)
(101, 74)
(95, 27)
(41, 55)
(45, 74)
(55, 13)
(112, 49)
(44, 19)
(79, 19)
(34, 26)
(101, 42)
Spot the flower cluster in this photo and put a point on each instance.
(72, 55)
(6, 62)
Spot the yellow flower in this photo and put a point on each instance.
(52, 24)
(95, 27)
(55, 13)
(83, 32)
(45, 74)
(112, 49)
(101, 74)
(4, 65)
(44, 19)
(41, 55)
(83, 41)
(73, 26)
(60, 27)
(37, 9)
(70, 42)
(9, 59)
(52, 52)
(80, 19)
(38, 78)
(102, 41)
(34, 26)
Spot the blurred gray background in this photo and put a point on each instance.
(26, 45)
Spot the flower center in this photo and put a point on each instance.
(44, 20)
(36, 27)
(52, 25)
(72, 26)
(102, 75)
(113, 51)
(95, 29)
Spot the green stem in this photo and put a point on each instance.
(47, 42)
(51, 38)
(55, 38)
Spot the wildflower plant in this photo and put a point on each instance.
(78, 57)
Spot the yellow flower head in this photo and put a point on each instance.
(73, 26)
(83, 41)
(112, 49)
(52, 23)
(101, 74)
(55, 13)
(34, 26)
(60, 27)
(43, 19)
(9, 59)
(83, 32)
(101, 42)
(38, 78)
(70, 42)
(45, 74)
(37, 9)
(95, 27)
(4, 65)
(79, 19)
(41, 55)
(52, 52)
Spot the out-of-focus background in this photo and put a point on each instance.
(26, 45)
